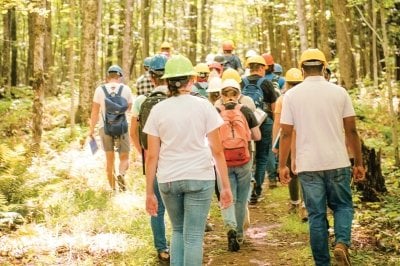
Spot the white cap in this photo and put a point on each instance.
(214, 84)
(231, 83)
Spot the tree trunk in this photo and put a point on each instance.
(375, 182)
(145, 28)
(71, 64)
(374, 46)
(192, 31)
(5, 78)
(88, 59)
(38, 81)
(203, 30)
(14, 50)
(347, 66)
(127, 40)
(324, 30)
(51, 88)
(271, 32)
(302, 24)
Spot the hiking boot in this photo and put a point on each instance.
(209, 227)
(233, 244)
(253, 199)
(341, 254)
(293, 209)
(273, 184)
(121, 183)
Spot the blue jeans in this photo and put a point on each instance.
(158, 223)
(330, 187)
(187, 203)
(265, 158)
(239, 179)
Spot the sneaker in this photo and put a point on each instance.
(253, 199)
(341, 254)
(233, 244)
(121, 183)
(164, 256)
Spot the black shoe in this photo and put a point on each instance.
(121, 183)
(233, 244)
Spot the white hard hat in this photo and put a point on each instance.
(214, 84)
(231, 83)
(251, 53)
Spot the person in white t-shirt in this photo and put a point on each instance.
(183, 141)
(323, 116)
(112, 85)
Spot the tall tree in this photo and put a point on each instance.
(5, 78)
(88, 58)
(127, 40)
(71, 62)
(203, 29)
(323, 30)
(192, 25)
(347, 65)
(38, 81)
(302, 24)
(51, 88)
(14, 50)
(145, 27)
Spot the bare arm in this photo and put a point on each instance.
(94, 117)
(134, 134)
(151, 168)
(275, 129)
(285, 142)
(217, 150)
(255, 133)
(353, 141)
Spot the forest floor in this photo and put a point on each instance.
(274, 236)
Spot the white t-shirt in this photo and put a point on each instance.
(99, 97)
(182, 122)
(141, 98)
(316, 109)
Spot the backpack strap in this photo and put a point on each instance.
(120, 90)
(105, 91)
(245, 82)
(198, 86)
(260, 81)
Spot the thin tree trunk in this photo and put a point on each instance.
(88, 59)
(51, 89)
(271, 32)
(145, 28)
(5, 78)
(302, 24)
(193, 30)
(38, 81)
(71, 64)
(203, 30)
(324, 30)
(14, 50)
(374, 46)
(127, 40)
(347, 66)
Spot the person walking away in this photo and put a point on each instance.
(293, 77)
(263, 94)
(143, 84)
(214, 89)
(231, 59)
(157, 66)
(166, 49)
(178, 130)
(112, 88)
(201, 84)
(322, 162)
(278, 71)
(239, 128)
(276, 80)
(249, 54)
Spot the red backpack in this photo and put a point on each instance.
(235, 136)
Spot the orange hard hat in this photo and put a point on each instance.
(228, 46)
(268, 59)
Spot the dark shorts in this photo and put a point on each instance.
(108, 142)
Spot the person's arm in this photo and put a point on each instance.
(151, 168)
(275, 129)
(285, 142)
(94, 118)
(353, 141)
(293, 153)
(217, 150)
(134, 134)
(255, 133)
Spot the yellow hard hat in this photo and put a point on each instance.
(294, 75)
(231, 73)
(165, 45)
(202, 68)
(257, 59)
(312, 55)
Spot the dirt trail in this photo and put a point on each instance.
(268, 240)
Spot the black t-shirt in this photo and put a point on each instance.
(248, 114)
(270, 95)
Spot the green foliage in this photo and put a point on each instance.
(18, 116)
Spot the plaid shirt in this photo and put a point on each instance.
(144, 85)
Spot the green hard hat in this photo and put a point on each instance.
(178, 66)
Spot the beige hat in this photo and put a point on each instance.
(214, 84)
(231, 83)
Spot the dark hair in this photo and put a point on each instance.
(313, 69)
(254, 67)
(114, 75)
(177, 82)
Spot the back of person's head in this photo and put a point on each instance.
(146, 63)
(255, 63)
(215, 67)
(250, 53)
(228, 46)
(157, 68)
(313, 61)
(278, 70)
(202, 71)
(269, 60)
(179, 71)
(114, 72)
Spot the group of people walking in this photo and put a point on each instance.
(220, 128)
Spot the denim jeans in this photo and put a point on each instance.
(239, 179)
(187, 203)
(265, 158)
(158, 223)
(330, 187)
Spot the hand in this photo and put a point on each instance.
(284, 175)
(275, 150)
(358, 173)
(293, 167)
(151, 205)
(226, 198)
(91, 132)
